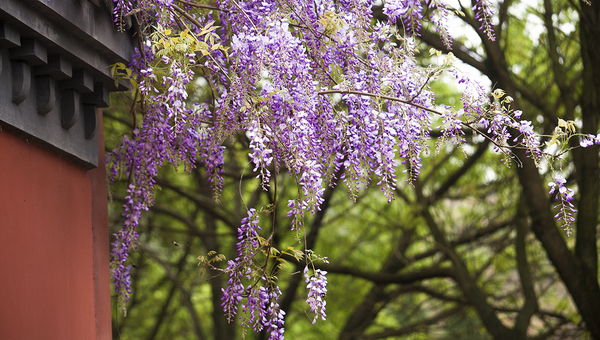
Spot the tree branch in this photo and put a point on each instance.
(185, 294)
(530, 306)
(420, 326)
(460, 172)
(378, 277)
(462, 276)
(206, 204)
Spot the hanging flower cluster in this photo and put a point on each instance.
(316, 292)
(316, 88)
(249, 287)
(566, 196)
(483, 13)
(242, 265)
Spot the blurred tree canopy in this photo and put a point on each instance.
(470, 250)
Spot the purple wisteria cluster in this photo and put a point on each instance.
(316, 292)
(248, 286)
(566, 207)
(168, 133)
(589, 140)
(119, 271)
(484, 11)
(247, 247)
(317, 90)
(563, 194)
(120, 10)
(407, 12)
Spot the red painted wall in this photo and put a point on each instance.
(53, 245)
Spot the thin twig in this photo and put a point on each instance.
(396, 99)
(197, 5)
(188, 16)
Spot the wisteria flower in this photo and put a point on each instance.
(317, 290)
(566, 207)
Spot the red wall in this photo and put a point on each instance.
(53, 245)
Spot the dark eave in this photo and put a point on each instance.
(55, 58)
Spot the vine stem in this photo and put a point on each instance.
(197, 5)
(187, 16)
(396, 99)
(409, 102)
